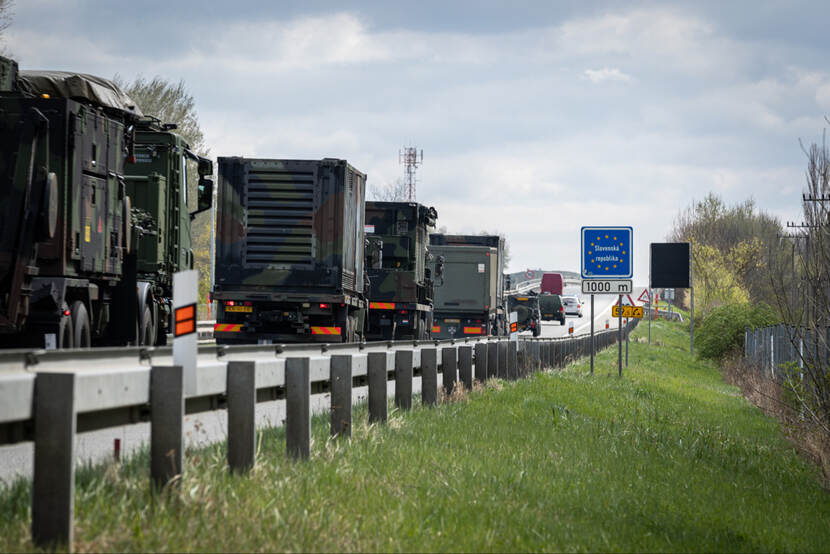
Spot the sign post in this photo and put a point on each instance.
(185, 338)
(607, 266)
(514, 326)
(670, 267)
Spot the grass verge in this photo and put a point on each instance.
(669, 458)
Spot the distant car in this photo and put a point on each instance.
(572, 305)
(551, 307)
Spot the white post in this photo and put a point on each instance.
(185, 337)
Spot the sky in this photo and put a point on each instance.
(535, 118)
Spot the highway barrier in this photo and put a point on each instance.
(47, 397)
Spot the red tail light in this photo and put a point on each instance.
(324, 306)
(229, 303)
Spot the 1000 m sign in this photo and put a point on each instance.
(607, 286)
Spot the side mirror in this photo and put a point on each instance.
(204, 196)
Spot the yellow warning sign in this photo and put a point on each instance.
(87, 235)
(628, 311)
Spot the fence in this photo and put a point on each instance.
(771, 348)
(49, 396)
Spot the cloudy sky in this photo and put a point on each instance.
(535, 118)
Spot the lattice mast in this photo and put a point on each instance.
(410, 158)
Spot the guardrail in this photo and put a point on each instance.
(49, 396)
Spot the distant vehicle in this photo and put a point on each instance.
(551, 308)
(552, 283)
(573, 305)
(527, 311)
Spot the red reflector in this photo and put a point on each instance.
(229, 303)
(248, 304)
(403, 311)
(436, 328)
(324, 306)
(66, 312)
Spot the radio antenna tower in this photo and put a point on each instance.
(410, 158)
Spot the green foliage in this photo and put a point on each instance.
(722, 329)
(668, 458)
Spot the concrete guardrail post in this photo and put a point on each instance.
(53, 487)
(377, 387)
(512, 360)
(166, 421)
(297, 408)
(465, 366)
(502, 371)
(481, 361)
(492, 359)
(341, 395)
(429, 376)
(448, 368)
(403, 379)
(241, 389)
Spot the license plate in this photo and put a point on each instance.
(452, 321)
(247, 309)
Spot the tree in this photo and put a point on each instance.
(6, 16)
(390, 192)
(172, 103)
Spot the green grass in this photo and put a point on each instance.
(669, 458)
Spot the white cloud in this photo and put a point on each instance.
(605, 74)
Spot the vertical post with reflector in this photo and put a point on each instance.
(185, 338)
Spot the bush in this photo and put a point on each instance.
(722, 329)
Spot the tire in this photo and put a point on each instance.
(562, 321)
(146, 336)
(65, 335)
(536, 331)
(82, 333)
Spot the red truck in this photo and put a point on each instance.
(552, 283)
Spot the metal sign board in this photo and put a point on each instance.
(670, 265)
(607, 286)
(607, 252)
(185, 338)
(628, 311)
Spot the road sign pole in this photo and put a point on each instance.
(592, 334)
(649, 316)
(619, 337)
(626, 343)
(692, 312)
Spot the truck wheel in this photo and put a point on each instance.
(80, 324)
(145, 336)
(562, 321)
(65, 334)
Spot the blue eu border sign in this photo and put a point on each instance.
(607, 252)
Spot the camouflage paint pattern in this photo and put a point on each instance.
(526, 308)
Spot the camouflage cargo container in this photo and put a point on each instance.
(494, 313)
(527, 312)
(400, 289)
(68, 250)
(466, 291)
(289, 252)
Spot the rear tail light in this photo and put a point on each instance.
(324, 306)
(229, 303)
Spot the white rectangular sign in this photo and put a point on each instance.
(607, 286)
(185, 337)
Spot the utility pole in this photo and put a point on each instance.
(410, 159)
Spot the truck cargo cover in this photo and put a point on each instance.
(64, 84)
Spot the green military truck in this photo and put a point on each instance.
(90, 238)
(468, 285)
(289, 251)
(528, 316)
(550, 305)
(400, 283)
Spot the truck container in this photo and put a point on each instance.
(400, 283)
(552, 283)
(467, 290)
(71, 244)
(527, 312)
(289, 251)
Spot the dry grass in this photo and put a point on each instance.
(769, 396)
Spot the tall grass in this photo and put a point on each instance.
(668, 458)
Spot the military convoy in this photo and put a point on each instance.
(400, 280)
(96, 217)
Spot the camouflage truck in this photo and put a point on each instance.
(289, 252)
(468, 287)
(528, 315)
(71, 251)
(400, 283)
